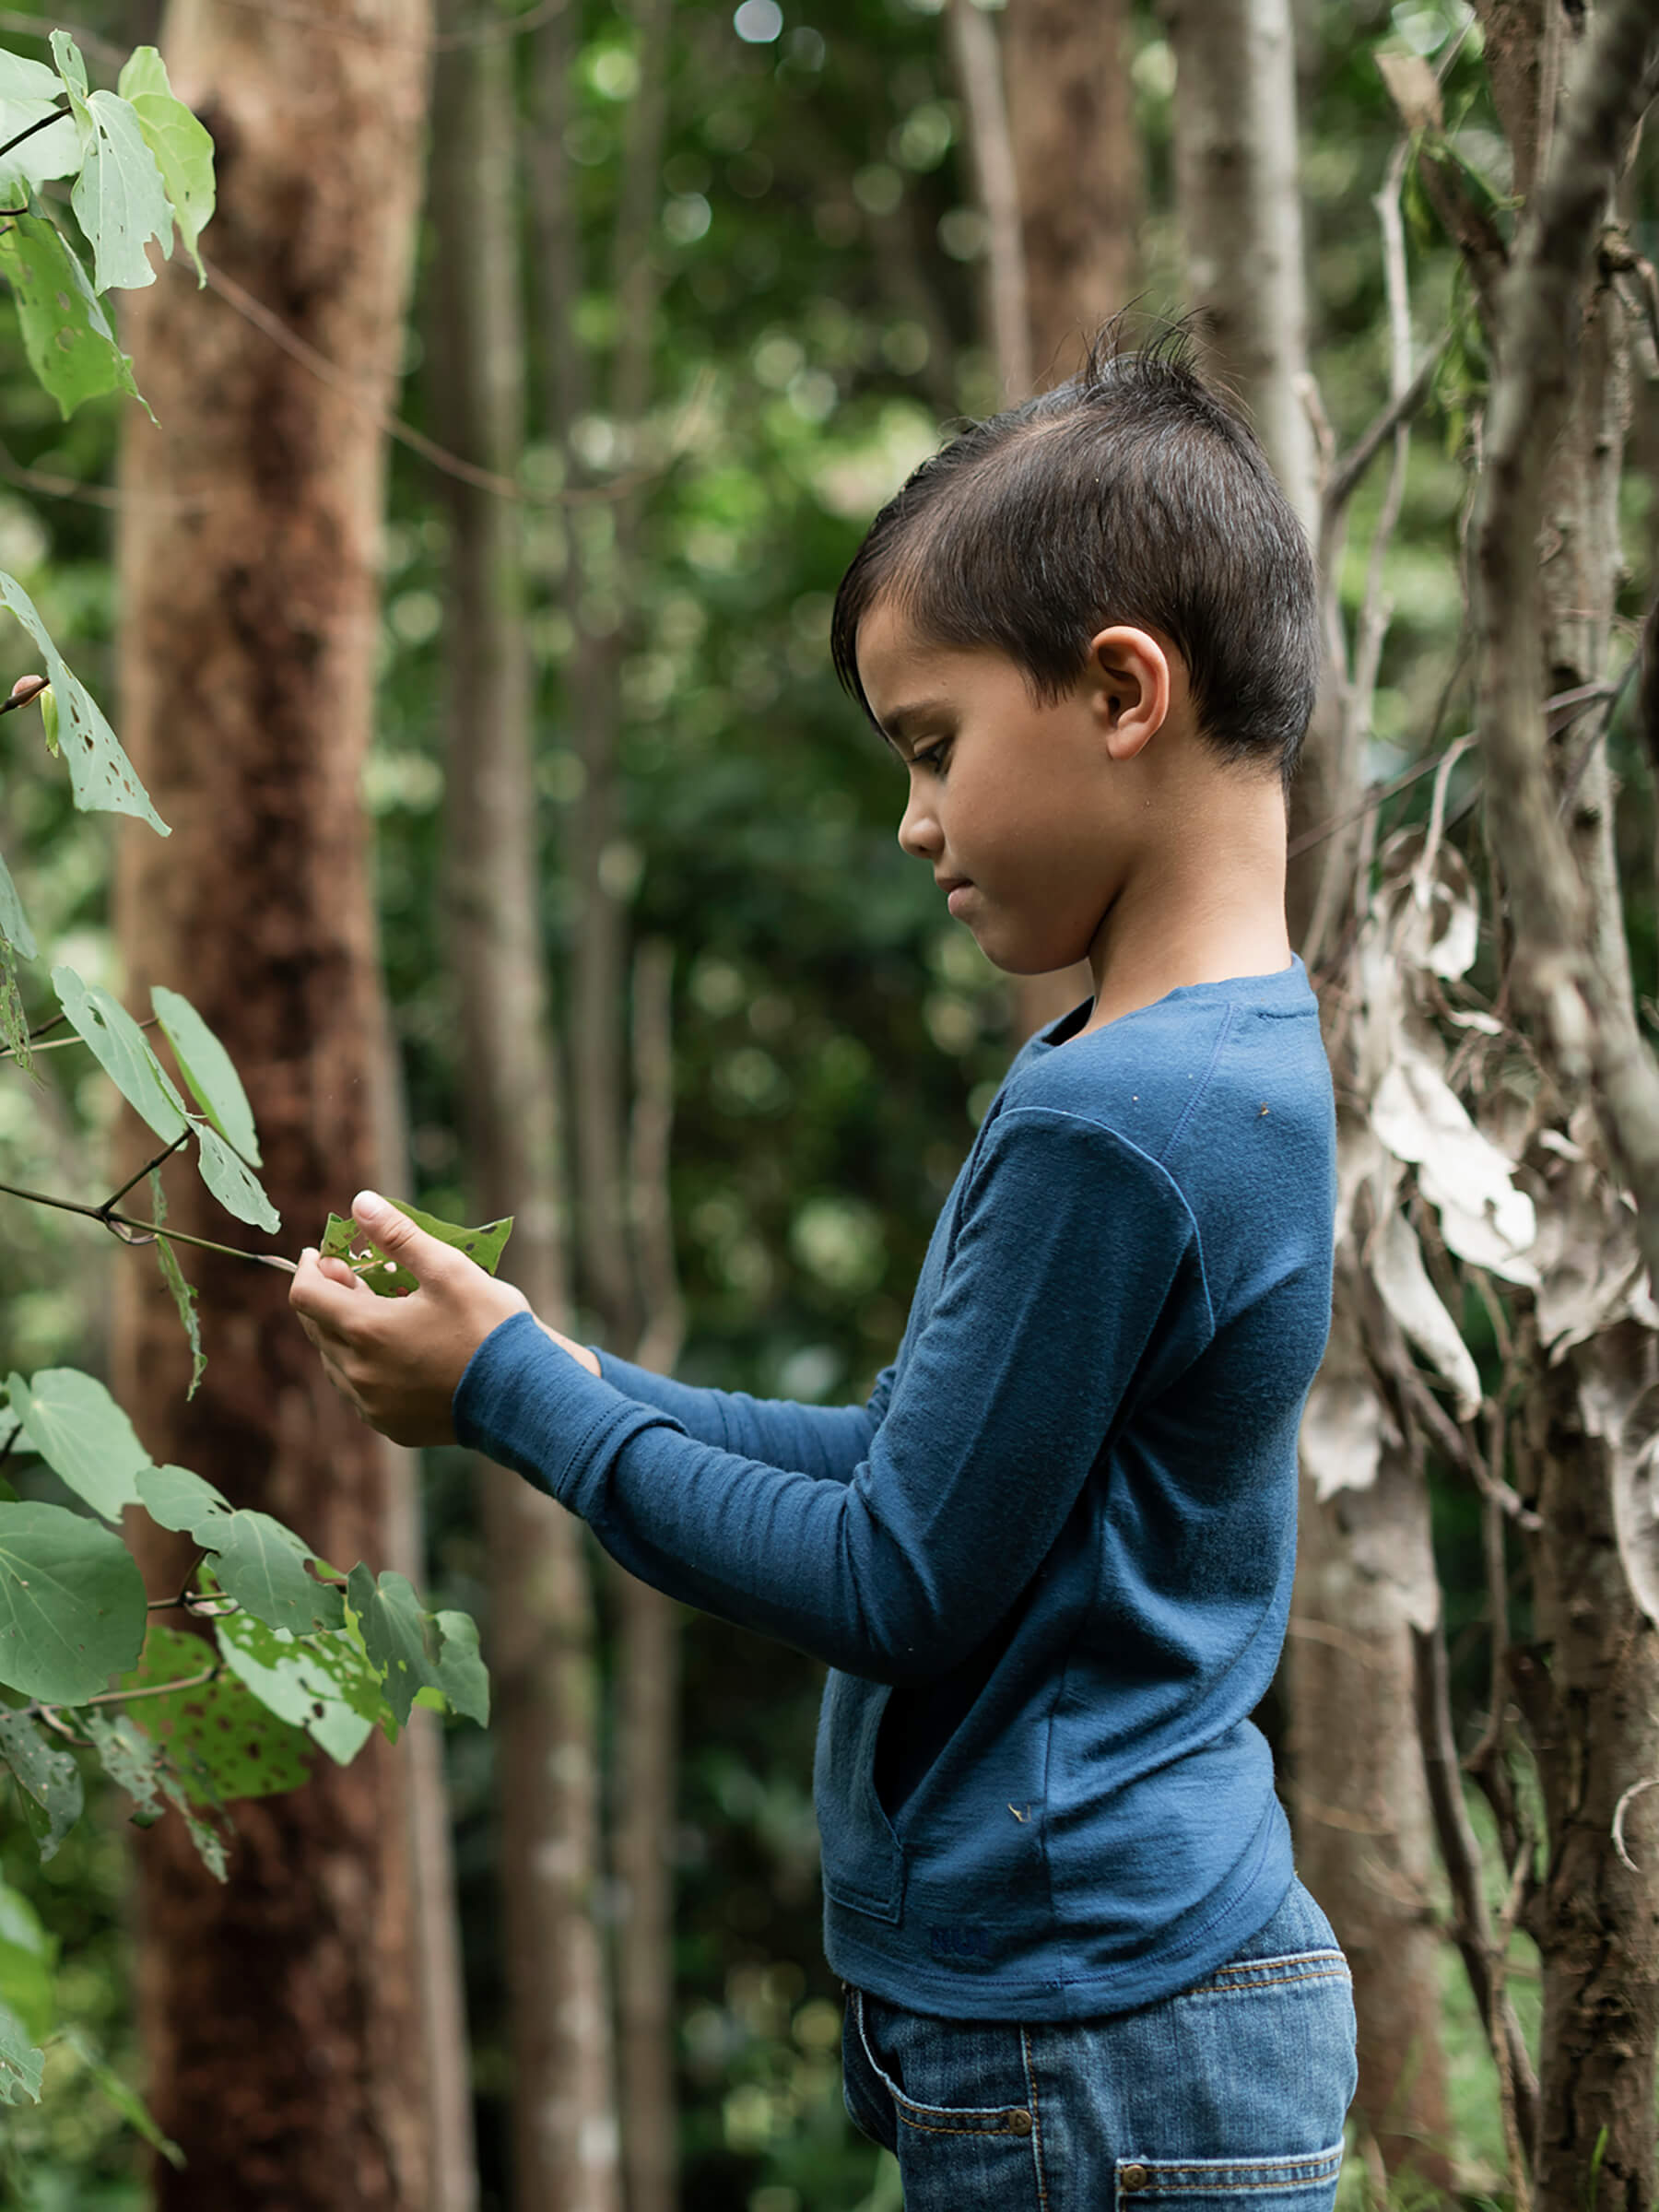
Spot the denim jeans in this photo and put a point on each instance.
(1232, 2092)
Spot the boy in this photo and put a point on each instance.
(1049, 1560)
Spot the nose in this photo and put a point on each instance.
(918, 831)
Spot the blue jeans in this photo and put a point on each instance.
(1232, 2092)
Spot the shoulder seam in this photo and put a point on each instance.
(1199, 1088)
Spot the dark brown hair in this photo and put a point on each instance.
(1132, 494)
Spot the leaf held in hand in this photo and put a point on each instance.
(343, 1240)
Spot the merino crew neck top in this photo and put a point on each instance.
(1049, 1562)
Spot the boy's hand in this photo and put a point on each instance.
(398, 1359)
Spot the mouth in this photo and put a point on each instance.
(955, 889)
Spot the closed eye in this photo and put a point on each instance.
(932, 756)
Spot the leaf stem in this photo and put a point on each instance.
(114, 1221)
(58, 1043)
(43, 1710)
(43, 123)
(113, 1200)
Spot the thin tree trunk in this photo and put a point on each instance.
(1364, 1573)
(1050, 130)
(542, 1629)
(280, 2014)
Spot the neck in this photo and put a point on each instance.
(1206, 905)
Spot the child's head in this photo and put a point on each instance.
(1128, 495)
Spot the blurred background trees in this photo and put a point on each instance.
(694, 287)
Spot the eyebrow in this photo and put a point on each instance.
(903, 718)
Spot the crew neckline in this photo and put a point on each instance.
(1067, 1027)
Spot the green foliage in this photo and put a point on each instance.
(323, 1685)
(414, 1650)
(209, 1074)
(71, 1604)
(183, 1293)
(20, 2063)
(119, 1047)
(343, 1240)
(101, 775)
(71, 346)
(256, 1562)
(223, 1739)
(47, 1777)
(182, 149)
(119, 199)
(81, 1433)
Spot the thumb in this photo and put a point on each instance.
(426, 1257)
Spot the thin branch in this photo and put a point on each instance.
(42, 122)
(149, 1229)
(56, 1022)
(253, 311)
(131, 1183)
(1346, 473)
(1472, 1930)
(46, 1709)
(991, 145)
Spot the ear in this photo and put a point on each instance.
(1129, 688)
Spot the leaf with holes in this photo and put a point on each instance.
(49, 1779)
(221, 1740)
(180, 145)
(77, 1428)
(209, 1074)
(118, 1045)
(130, 1759)
(184, 1292)
(101, 775)
(324, 1685)
(67, 335)
(415, 1650)
(14, 922)
(20, 2063)
(72, 1604)
(343, 1240)
(235, 1187)
(119, 199)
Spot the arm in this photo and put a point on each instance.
(827, 1441)
(1069, 1246)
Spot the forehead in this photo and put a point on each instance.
(897, 662)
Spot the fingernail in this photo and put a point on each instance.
(309, 1253)
(368, 1206)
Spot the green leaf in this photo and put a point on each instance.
(343, 1240)
(72, 1604)
(183, 147)
(119, 1046)
(221, 1740)
(14, 1019)
(71, 68)
(414, 1650)
(66, 334)
(45, 157)
(235, 1187)
(20, 2063)
(324, 1685)
(23, 79)
(14, 922)
(129, 1757)
(77, 1428)
(101, 775)
(184, 1292)
(209, 1075)
(28, 1955)
(259, 1562)
(119, 199)
(48, 1777)
(461, 1674)
(125, 2100)
(47, 702)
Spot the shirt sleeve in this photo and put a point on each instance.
(825, 1440)
(1064, 1268)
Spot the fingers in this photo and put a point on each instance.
(325, 1305)
(424, 1256)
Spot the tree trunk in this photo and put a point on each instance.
(1364, 1574)
(1076, 156)
(1050, 128)
(542, 1629)
(280, 2013)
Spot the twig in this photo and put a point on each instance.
(43, 1710)
(1346, 473)
(41, 124)
(56, 1022)
(1472, 1929)
(149, 1229)
(113, 1200)
(253, 311)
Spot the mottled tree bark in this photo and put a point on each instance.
(279, 2014)
(1364, 1577)
(541, 1623)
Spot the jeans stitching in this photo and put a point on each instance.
(1295, 2173)
(1244, 1989)
(1031, 2075)
(905, 2106)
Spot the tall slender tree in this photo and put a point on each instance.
(542, 1621)
(280, 2013)
(1365, 1578)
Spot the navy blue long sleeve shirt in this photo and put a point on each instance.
(1049, 1561)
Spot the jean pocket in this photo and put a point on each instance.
(1307, 2183)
